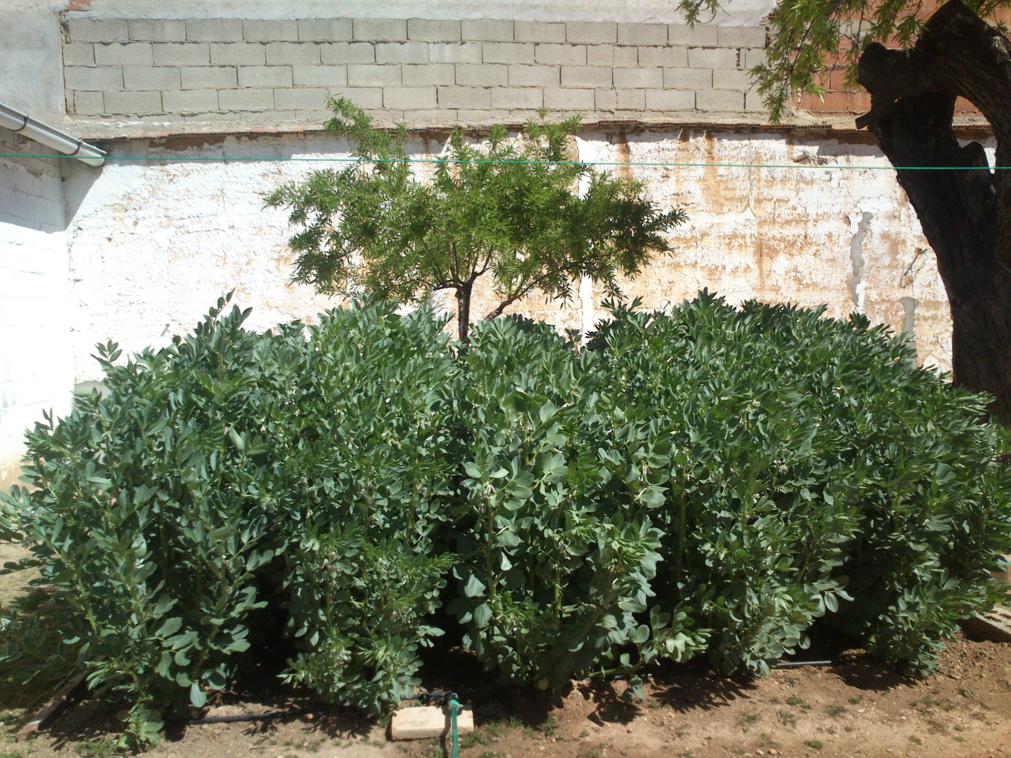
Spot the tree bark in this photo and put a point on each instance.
(965, 215)
(463, 294)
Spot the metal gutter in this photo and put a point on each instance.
(51, 137)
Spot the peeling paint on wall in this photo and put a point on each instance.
(857, 284)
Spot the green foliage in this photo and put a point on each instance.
(509, 208)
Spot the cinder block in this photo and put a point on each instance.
(133, 103)
(348, 52)
(116, 54)
(433, 31)
(151, 77)
(586, 76)
(464, 97)
(379, 29)
(539, 31)
(591, 32)
(156, 30)
(700, 35)
(631, 99)
(429, 73)
(78, 77)
(409, 98)
(568, 99)
(271, 76)
(214, 30)
(669, 100)
(638, 77)
(295, 99)
(517, 97)
(687, 78)
(366, 75)
(190, 101)
(642, 34)
(246, 99)
(318, 76)
(740, 36)
(534, 76)
(181, 53)
(703, 58)
(209, 77)
(324, 29)
(363, 97)
(78, 54)
(609, 55)
(467, 52)
(754, 58)
(560, 55)
(237, 54)
(482, 74)
(508, 52)
(292, 52)
(675, 57)
(753, 102)
(402, 52)
(483, 30)
(606, 99)
(270, 31)
(727, 78)
(719, 100)
(89, 103)
(98, 30)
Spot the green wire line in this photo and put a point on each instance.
(454, 709)
(481, 161)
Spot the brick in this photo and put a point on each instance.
(150, 77)
(539, 31)
(78, 54)
(238, 54)
(586, 76)
(725, 78)
(97, 30)
(270, 31)
(209, 77)
(631, 99)
(591, 32)
(606, 99)
(181, 53)
(642, 34)
(464, 97)
(293, 99)
(701, 58)
(699, 35)
(609, 55)
(365, 75)
(754, 58)
(433, 31)
(675, 57)
(190, 101)
(467, 52)
(409, 98)
(484, 30)
(324, 29)
(432, 73)
(513, 97)
(133, 53)
(77, 77)
(319, 76)
(133, 103)
(89, 103)
(507, 52)
(687, 78)
(560, 55)
(534, 76)
(246, 99)
(363, 97)
(482, 74)
(268, 76)
(379, 29)
(669, 100)
(214, 30)
(156, 30)
(402, 52)
(348, 52)
(740, 36)
(568, 99)
(719, 100)
(638, 77)
(292, 52)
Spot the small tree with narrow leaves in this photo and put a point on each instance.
(511, 209)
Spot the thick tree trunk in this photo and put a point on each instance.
(463, 294)
(965, 215)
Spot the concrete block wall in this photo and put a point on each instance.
(418, 70)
